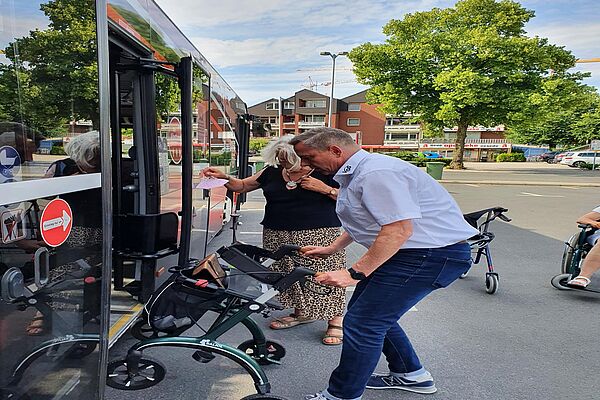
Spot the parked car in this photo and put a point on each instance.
(558, 158)
(549, 157)
(579, 158)
(429, 155)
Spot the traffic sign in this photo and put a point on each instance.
(10, 161)
(595, 145)
(56, 222)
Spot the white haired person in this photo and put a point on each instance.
(300, 210)
(84, 156)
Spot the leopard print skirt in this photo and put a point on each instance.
(315, 306)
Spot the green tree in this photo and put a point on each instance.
(57, 67)
(471, 64)
(562, 112)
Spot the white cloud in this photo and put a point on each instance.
(290, 13)
(283, 50)
(582, 39)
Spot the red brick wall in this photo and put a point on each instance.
(372, 123)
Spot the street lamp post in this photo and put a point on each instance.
(333, 57)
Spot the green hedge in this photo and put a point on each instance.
(589, 166)
(511, 157)
(58, 150)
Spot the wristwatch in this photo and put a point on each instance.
(333, 192)
(357, 276)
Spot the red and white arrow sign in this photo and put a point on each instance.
(56, 222)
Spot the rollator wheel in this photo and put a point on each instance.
(491, 283)
(80, 350)
(263, 397)
(560, 281)
(149, 373)
(275, 352)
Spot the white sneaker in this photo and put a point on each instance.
(316, 396)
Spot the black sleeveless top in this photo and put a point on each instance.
(297, 209)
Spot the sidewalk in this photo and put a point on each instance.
(522, 174)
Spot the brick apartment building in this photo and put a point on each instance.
(372, 129)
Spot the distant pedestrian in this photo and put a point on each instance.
(416, 239)
(300, 210)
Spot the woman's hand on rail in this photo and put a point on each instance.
(212, 172)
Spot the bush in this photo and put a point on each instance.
(257, 144)
(511, 157)
(589, 166)
(414, 159)
(58, 150)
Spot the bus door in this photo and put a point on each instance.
(51, 202)
(152, 118)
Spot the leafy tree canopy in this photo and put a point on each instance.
(471, 64)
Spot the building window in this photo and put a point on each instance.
(220, 120)
(273, 105)
(353, 122)
(314, 104)
(314, 118)
(401, 136)
(354, 107)
(288, 105)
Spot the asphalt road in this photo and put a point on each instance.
(528, 341)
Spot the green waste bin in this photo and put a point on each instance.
(435, 169)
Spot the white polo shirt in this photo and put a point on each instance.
(377, 190)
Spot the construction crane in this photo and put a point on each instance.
(325, 69)
(313, 85)
(589, 60)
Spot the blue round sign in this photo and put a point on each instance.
(10, 161)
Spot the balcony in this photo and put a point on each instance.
(310, 124)
(472, 141)
(403, 128)
(403, 144)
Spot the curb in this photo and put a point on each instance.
(521, 183)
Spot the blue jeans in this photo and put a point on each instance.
(371, 322)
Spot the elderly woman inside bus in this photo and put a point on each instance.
(83, 153)
(300, 210)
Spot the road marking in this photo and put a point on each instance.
(523, 194)
(472, 185)
(250, 233)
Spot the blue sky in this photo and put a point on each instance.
(269, 48)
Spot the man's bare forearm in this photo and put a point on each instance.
(388, 242)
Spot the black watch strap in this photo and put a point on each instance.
(358, 276)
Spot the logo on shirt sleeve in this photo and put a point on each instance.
(347, 169)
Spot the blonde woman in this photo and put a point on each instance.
(300, 210)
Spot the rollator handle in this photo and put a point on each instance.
(285, 250)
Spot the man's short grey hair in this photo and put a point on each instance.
(84, 149)
(281, 146)
(322, 138)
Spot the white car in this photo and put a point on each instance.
(579, 158)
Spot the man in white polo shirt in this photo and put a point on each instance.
(416, 239)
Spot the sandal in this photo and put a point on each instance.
(579, 282)
(36, 327)
(338, 338)
(289, 321)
